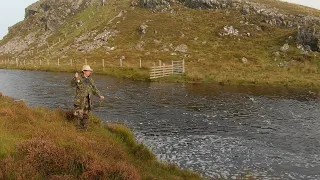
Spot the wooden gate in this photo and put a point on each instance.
(177, 67)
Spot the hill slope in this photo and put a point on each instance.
(227, 42)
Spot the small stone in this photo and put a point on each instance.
(147, 53)
(277, 54)
(189, 19)
(182, 48)
(143, 28)
(157, 41)
(139, 46)
(244, 60)
(285, 47)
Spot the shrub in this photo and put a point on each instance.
(44, 156)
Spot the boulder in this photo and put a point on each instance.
(143, 29)
(154, 3)
(309, 37)
(244, 60)
(285, 47)
(51, 14)
(182, 48)
(32, 9)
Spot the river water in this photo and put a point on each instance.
(218, 131)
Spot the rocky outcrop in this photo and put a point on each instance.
(51, 14)
(91, 40)
(309, 37)
(306, 36)
(155, 3)
(47, 14)
(212, 4)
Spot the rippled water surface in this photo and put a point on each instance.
(218, 131)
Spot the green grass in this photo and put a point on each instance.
(43, 144)
(210, 58)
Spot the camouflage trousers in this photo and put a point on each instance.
(82, 116)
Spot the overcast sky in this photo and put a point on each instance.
(12, 12)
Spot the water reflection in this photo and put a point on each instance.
(215, 130)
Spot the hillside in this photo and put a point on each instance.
(37, 143)
(255, 42)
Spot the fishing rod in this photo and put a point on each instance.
(75, 66)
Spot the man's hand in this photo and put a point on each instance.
(76, 75)
(101, 97)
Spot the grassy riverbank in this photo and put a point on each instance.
(232, 74)
(38, 143)
(210, 58)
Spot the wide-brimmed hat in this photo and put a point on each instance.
(86, 68)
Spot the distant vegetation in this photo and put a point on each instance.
(254, 57)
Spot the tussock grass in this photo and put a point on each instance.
(38, 143)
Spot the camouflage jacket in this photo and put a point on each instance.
(85, 88)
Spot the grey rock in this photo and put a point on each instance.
(157, 41)
(181, 48)
(277, 53)
(229, 31)
(139, 46)
(285, 47)
(91, 40)
(245, 9)
(155, 3)
(244, 60)
(143, 28)
(51, 14)
(309, 36)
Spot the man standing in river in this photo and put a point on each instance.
(85, 88)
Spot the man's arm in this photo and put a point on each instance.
(95, 90)
(74, 80)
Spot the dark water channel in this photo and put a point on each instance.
(218, 131)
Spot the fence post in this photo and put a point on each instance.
(40, 62)
(159, 62)
(140, 64)
(71, 62)
(2, 61)
(24, 62)
(86, 62)
(120, 62)
(58, 61)
(172, 66)
(183, 70)
(103, 63)
(163, 66)
(48, 63)
(17, 62)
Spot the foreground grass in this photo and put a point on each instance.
(37, 143)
